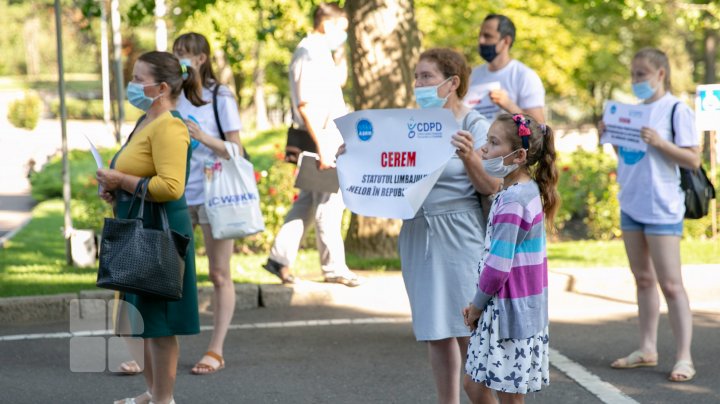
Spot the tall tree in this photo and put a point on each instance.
(384, 46)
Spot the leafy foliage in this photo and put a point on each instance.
(25, 112)
(88, 209)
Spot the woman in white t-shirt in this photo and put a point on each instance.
(207, 144)
(652, 210)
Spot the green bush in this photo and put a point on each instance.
(88, 210)
(590, 208)
(585, 180)
(25, 113)
(276, 196)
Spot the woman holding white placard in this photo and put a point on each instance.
(652, 210)
(440, 247)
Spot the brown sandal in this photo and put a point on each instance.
(201, 368)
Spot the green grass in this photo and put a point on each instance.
(587, 254)
(33, 262)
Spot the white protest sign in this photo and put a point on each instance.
(623, 123)
(392, 158)
(707, 107)
(478, 98)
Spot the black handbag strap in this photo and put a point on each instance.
(141, 193)
(215, 91)
(215, 111)
(672, 120)
(140, 188)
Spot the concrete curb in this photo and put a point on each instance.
(32, 309)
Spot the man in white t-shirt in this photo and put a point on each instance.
(503, 84)
(317, 99)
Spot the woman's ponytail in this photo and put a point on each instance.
(546, 176)
(191, 85)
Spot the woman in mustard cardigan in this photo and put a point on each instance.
(157, 149)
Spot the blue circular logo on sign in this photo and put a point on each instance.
(613, 109)
(364, 130)
(630, 156)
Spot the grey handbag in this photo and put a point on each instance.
(139, 260)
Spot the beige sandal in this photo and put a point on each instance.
(635, 360)
(133, 400)
(129, 368)
(201, 368)
(683, 371)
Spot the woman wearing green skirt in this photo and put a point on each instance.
(158, 149)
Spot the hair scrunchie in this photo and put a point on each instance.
(523, 130)
(183, 69)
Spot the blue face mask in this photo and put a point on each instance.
(427, 97)
(643, 90)
(137, 98)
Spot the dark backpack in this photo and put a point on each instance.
(696, 185)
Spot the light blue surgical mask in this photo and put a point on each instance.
(643, 90)
(496, 167)
(137, 98)
(427, 97)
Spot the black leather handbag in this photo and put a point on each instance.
(135, 259)
(298, 141)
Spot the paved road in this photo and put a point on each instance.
(367, 354)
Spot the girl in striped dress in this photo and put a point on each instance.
(508, 350)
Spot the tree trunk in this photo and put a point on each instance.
(31, 30)
(384, 46)
(261, 116)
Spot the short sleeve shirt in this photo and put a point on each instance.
(315, 80)
(649, 181)
(522, 84)
(230, 121)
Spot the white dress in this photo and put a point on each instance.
(509, 365)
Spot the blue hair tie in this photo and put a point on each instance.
(183, 69)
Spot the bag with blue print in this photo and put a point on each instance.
(696, 185)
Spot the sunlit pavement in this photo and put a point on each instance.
(359, 348)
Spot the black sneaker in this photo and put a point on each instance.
(276, 269)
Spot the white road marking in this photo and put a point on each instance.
(606, 392)
(276, 324)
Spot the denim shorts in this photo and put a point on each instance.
(629, 224)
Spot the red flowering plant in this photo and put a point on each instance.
(277, 194)
(588, 191)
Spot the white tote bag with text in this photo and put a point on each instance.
(232, 201)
